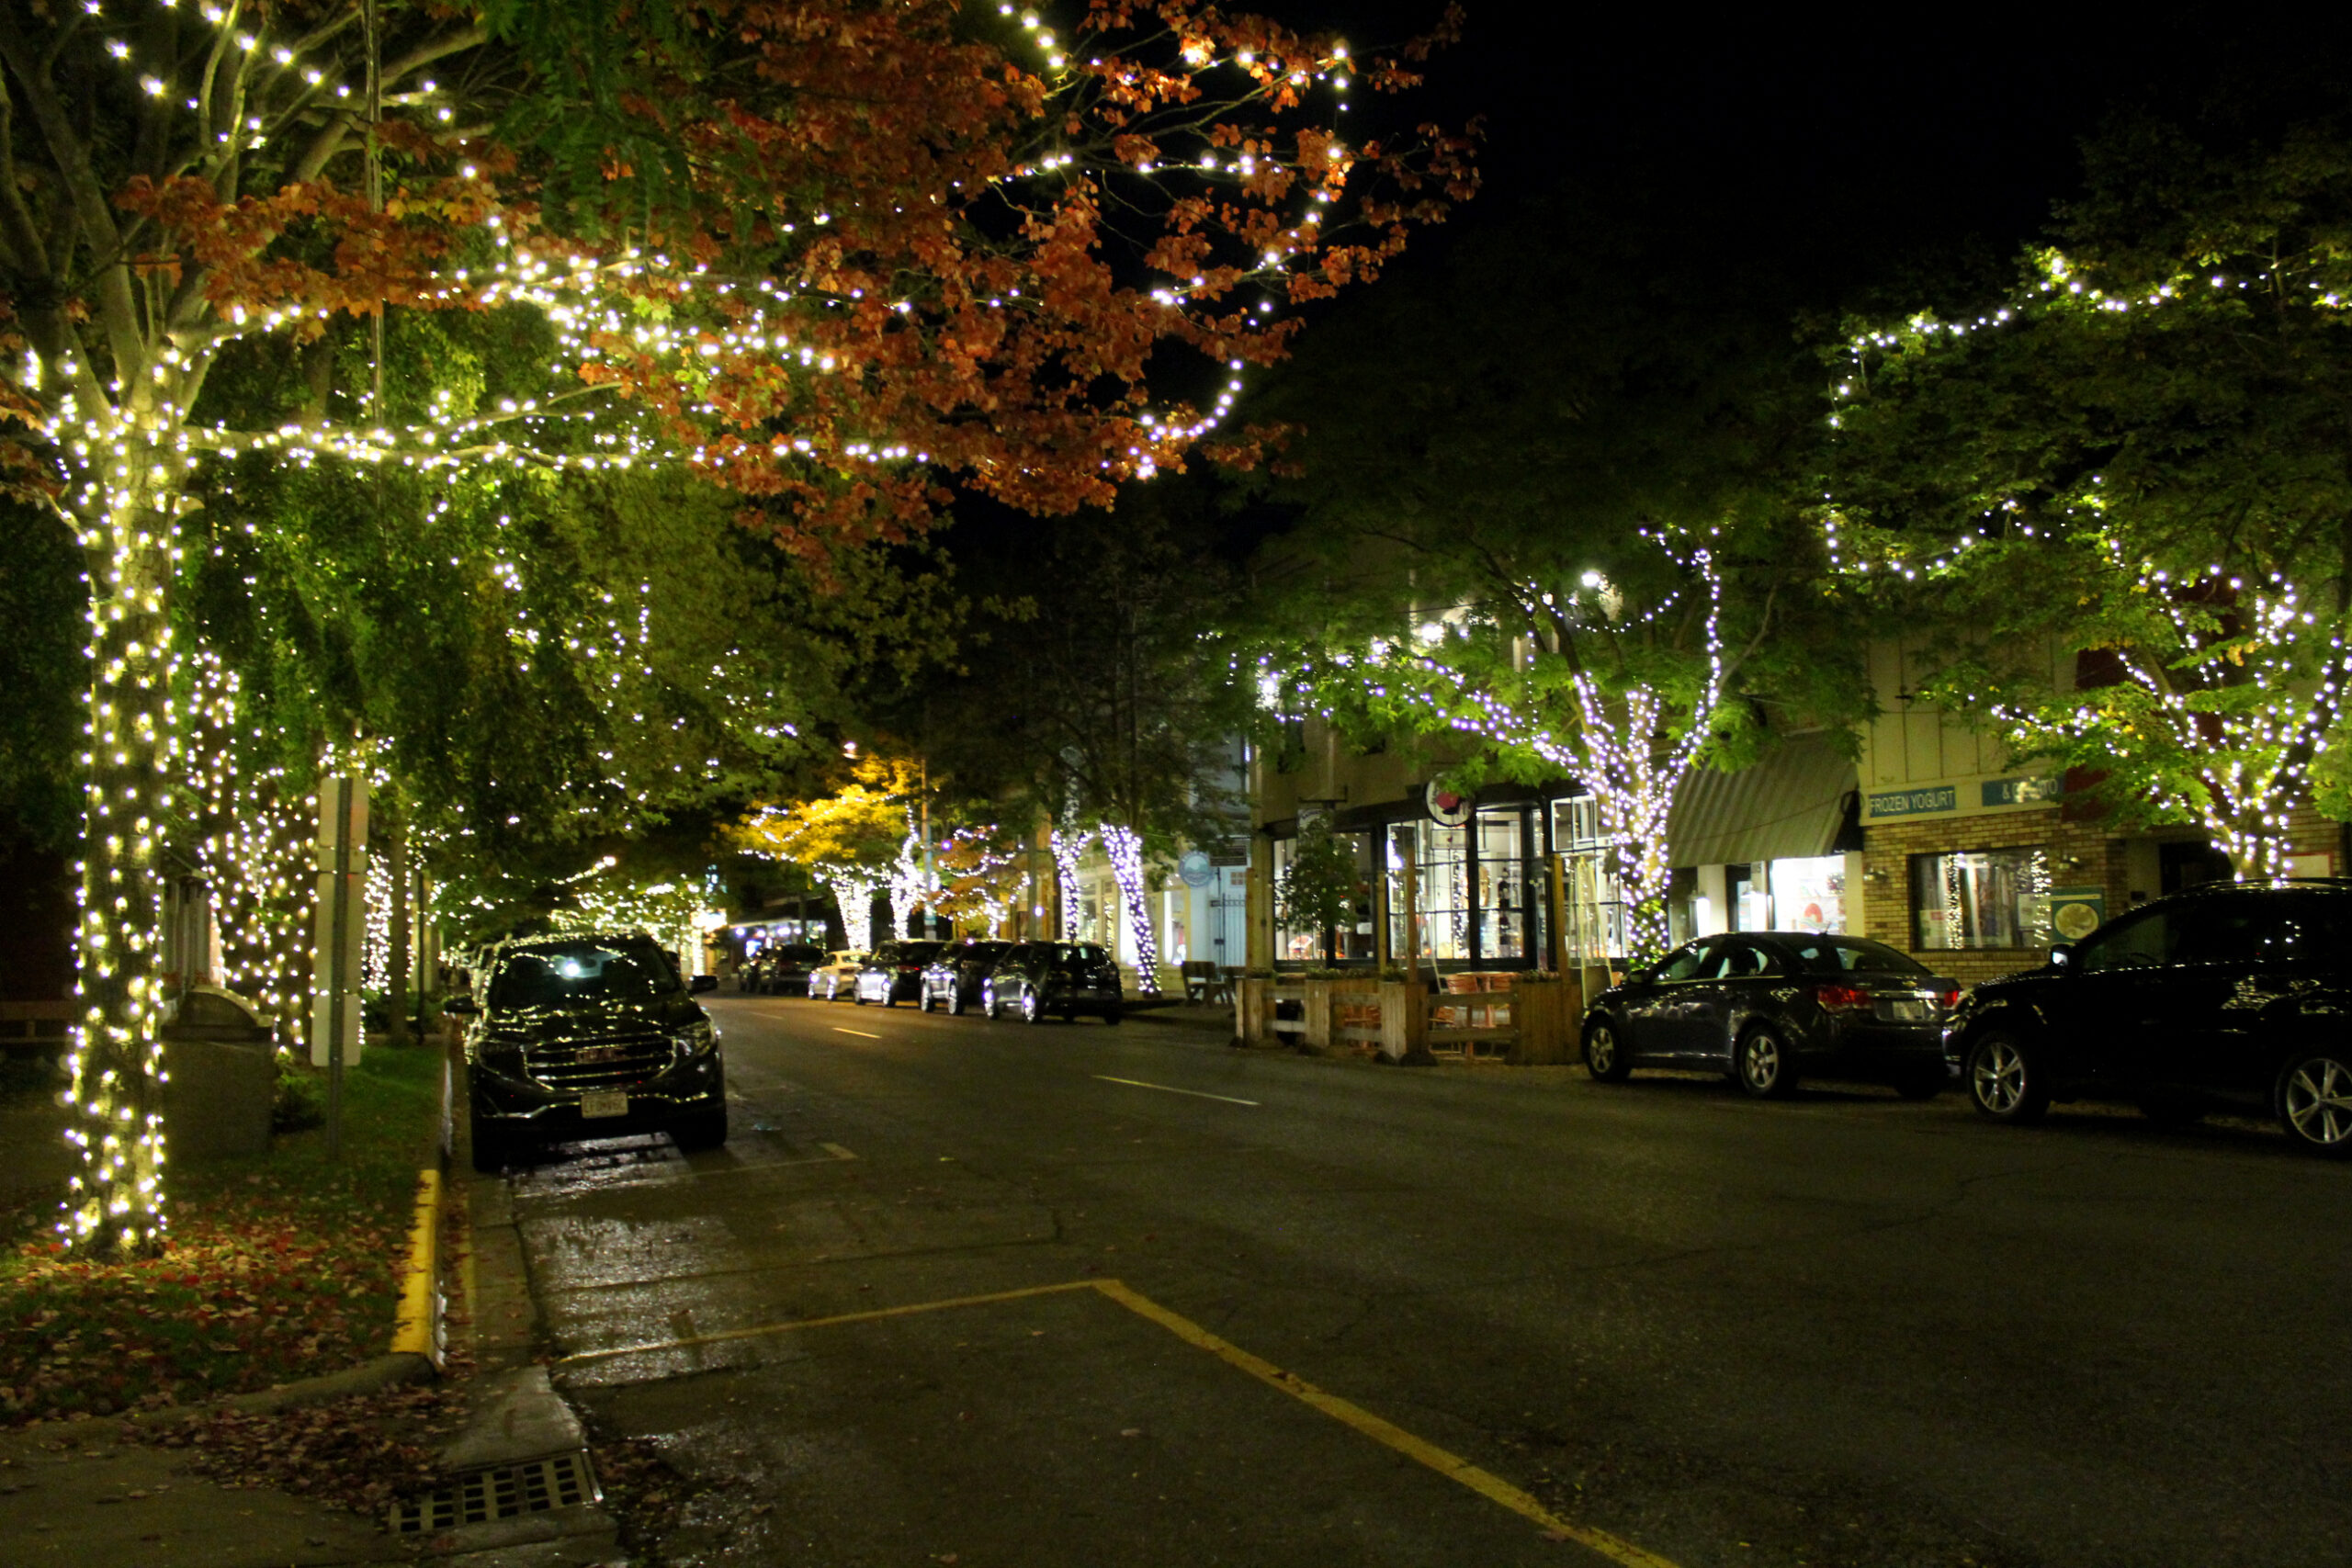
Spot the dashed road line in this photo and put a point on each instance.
(1169, 1089)
(859, 1033)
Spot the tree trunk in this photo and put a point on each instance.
(1124, 848)
(399, 960)
(115, 1203)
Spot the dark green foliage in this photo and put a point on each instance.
(43, 675)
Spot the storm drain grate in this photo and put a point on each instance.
(502, 1492)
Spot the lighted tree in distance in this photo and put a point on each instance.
(827, 299)
(2136, 453)
(851, 841)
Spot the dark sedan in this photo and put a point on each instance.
(1767, 1008)
(2228, 996)
(1065, 977)
(784, 970)
(957, 976)
(894, 973)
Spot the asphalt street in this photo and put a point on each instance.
(989, 1294)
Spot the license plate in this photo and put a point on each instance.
(604, 1102)
(1904, 1009)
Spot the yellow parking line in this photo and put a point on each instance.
(874, 1316)
(859, 1033)
(1485, 1483)
(1488, 1484)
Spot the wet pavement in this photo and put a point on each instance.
(1000, 1294)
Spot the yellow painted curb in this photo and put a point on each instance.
(413, 1331)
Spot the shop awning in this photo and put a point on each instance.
(1791, 804)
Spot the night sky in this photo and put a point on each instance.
(1849, 137)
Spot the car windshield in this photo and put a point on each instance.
(1854, 955)
(795, 955)
(977, 952)
(1072, 953)
(917, 952)
(583, 971)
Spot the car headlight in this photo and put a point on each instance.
(694, 1039)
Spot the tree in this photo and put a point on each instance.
(1319, 889)
(1557, 528)
(827, 257)
(2138, 452)
(850, 840)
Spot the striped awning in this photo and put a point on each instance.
(1791, 804)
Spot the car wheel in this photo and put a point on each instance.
(704, 1130)
(2004, 1081)
(1111, 1015)
(2315, 1103)
(1604, 1054)
(954, 1001)
(987, 1002)
(1921, 1085)
(1031, 1012)
(857, 995)
(889, 995)
(490, 1145)
(1762, 1063)
(922, 1000)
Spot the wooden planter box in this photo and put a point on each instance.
(1550, 1014)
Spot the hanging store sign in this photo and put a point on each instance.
(1445, 807)
(2019, 792)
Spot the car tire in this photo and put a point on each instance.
(954, 1001)
(989, 1004)
(1031, 1010)
(1111, 1015)
(1763, 1065)
(2315, 1103)
(2004, 1081)
(704, 1130)
(1604, 1053)
(1921, 1085)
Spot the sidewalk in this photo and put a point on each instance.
(97, 1491)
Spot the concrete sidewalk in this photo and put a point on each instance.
(95, 1493)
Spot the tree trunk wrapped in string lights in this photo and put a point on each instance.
(1123, 848)
(1068, 844)
(830, 257)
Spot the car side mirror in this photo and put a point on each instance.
(703, 983)
(2061, 955)
(461, 1007)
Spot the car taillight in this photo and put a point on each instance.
(1835, 997)
(1947, 999)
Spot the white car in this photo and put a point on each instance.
(837, 974)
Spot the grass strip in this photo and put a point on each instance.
(280, 1267)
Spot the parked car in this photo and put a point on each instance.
(1768, 1008)
(588, 1036)
(837, 974)
(2230, 995)
(784, 969)
(1067, 978)
(959, 975)
(894, 972)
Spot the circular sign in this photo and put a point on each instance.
(1194, 868)
(2075, 920)
(1447, 808)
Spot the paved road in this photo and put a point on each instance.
(1846, 1330)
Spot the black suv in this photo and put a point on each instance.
(588, 1036)
(2231, 996)
(1067, 978)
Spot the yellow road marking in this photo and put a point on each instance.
(1488, 1484)
(859, 1033)
(1165, 1088)
(874, 1316)
(1485, 1483)
(836, 1151)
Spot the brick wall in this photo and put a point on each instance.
(1887, 849)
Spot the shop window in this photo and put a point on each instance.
(1507, 901)
(1980, 899)
(1441, 900)
(1809, 894)
(1595, 917)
